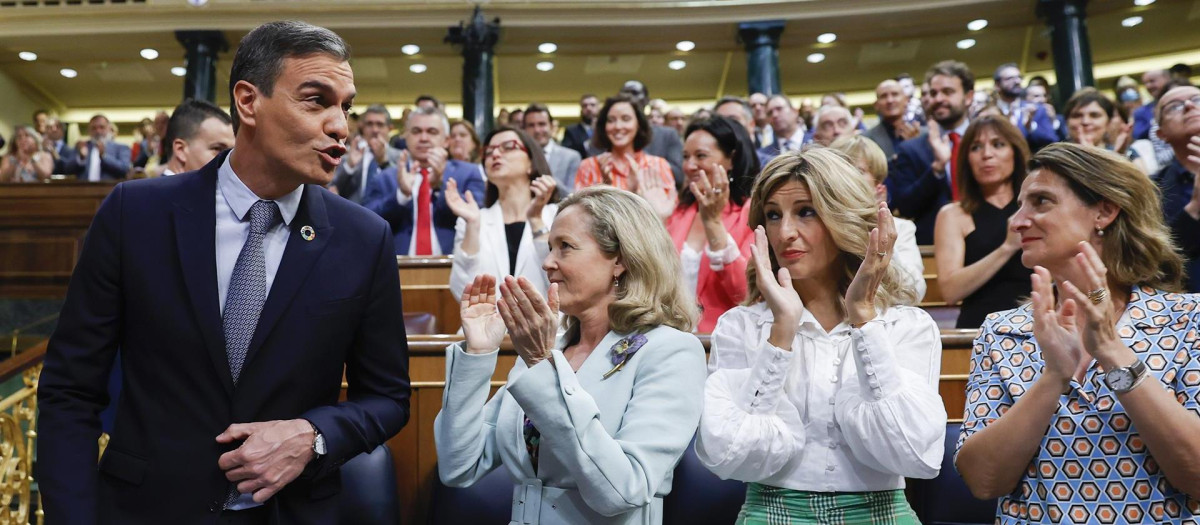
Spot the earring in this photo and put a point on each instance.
(616, 282)
(1100, 232)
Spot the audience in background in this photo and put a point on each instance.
(977, 253)
(1178, 117)
(25, 161)
(622, 135)
(367, 155)
(564, 162)
(664, 141)
(464, 143)
(786, 127)
(579, 135)
(99, 157)
(894, 127)
(197, 132)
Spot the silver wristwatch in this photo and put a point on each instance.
(318, 445)
(1122, 380)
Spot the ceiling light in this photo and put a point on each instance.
(677, 64)
(685, 45)
(816, 57)
(966, 43)
(410, 49)
(976, 25)
(417, 68)
(28, 56)
(68, 72)
(547, 47)
(826, 38)
(1142, 3)
(1131, 21)
(179, 71)
(149, 54)
(545, 66)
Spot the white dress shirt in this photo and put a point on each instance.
(908, 257)
(853, 410)
(93, 170)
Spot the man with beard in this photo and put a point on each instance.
(1032, 119)
(577, 136)
(891, 104)
(921, 177)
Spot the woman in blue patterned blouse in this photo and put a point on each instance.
(1097, 380)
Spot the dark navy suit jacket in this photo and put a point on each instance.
(915, 192)
(380, 197)
(1176, 184)
(146, 284)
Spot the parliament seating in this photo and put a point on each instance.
(369, 495)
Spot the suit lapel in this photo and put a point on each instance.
(298, 258)
(195, 238)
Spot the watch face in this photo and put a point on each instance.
(1119, 380)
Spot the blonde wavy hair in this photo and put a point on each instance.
(1137, 246)
(845, 203)
(650, 292)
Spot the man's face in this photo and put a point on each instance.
(906, 84)
(948, 103)
(588, 109)
(54, 129)
(424, 134)
(374, 125)
(1035, 93)
(40, 121)
(782, 115)
(833, 123)
(302, 126)
(890, 101)
(677, 120)
(636, 91)
(1154, 82)
(98, 128)
(426, 104)
(734, 111)
(539, 126)
(758, 104)
(1009, 82)
(1177, 127)
(211, 138)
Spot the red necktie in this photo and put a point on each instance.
(952, 169)
(424, 209)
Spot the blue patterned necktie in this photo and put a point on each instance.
(248, 287)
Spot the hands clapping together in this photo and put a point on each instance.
(530, 320)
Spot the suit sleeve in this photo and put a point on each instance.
(115, 162)
(621, 472)
(380, 197)
(469, 179)
(73, 388)
(1043, 133)
(569, 177)
(377, 400)
(464, 431)
(912, 185)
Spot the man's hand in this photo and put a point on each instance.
(404, 175)
(378, 147)
(437, 166)
(273, 453)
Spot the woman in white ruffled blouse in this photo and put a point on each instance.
(823, 390)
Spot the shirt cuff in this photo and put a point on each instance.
(764, 388)
(878, 376)
(718, 260)
(401, 198)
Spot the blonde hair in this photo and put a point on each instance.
(650, 292)
(1137, 246)
(846, 205)
(858, 147)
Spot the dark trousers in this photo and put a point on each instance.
(255, 516)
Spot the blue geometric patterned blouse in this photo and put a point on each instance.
(1092, 466)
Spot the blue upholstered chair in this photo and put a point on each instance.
(369, 494)
(946, 500)
(487, 501)
(699, 496)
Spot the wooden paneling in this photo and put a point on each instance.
(425, 287)
(41, 232)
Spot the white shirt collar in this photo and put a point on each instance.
(239, 197)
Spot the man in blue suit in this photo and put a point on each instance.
(237, 295)
(410, 195)
(921, 178)
(100, 157)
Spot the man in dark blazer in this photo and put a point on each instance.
(234, 321)
(577, 136)
(100, 157)
(1178, 116)
(413, 191)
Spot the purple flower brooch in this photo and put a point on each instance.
(624, 350)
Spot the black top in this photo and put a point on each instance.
(513, 233)
(1010, 285)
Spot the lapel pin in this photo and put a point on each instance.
(307, 233)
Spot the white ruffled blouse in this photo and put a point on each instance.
(853, 410)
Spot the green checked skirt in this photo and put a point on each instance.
(767, 505)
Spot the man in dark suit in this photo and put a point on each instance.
(100, 157)
(921, 176)
(891, 105)
(229, 408)
(578, 136)
(1178, 117)
(367, 154)
(54, 143)
(411, 195)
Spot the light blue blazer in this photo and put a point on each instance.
(609, 446)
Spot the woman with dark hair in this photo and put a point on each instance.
(463, 143)
(1082, 405)
(622, 132)
(709, 225)
(1094, 120)
(507, 236)
(977, 254)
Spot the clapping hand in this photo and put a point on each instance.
(532, 322)
(404, 174)
(860, 295)
(711, 192)
(779, 294)
(437, 166)
(481, 322)
(1096, 319)
(466, 208)
(649, 184)
(942, 149)
(543, 189)
(1056, 330)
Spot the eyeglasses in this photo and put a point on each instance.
(506, 146)
(1176, 107)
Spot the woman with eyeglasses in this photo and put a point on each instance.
(508, 235)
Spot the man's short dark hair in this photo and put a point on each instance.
(736, 100)
(996, 75)
(379, 109)
(536, 107)
(1180, 71)
(430, 98)
(187, 118)
(903, 76)
(953, 68)
(587, 96)
(259, 57)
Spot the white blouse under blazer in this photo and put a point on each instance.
(492, 257)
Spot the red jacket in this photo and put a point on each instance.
(716, 291)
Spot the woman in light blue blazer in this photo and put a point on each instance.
(590, 425)
(508, 236)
